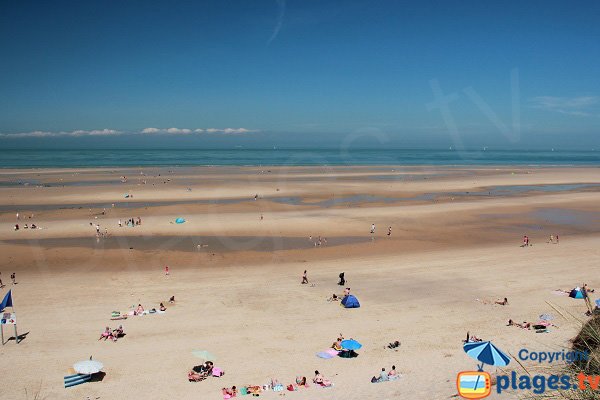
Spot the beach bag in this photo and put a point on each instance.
(290, 387)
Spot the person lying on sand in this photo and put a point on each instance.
(139, 310)
(393, 345)
(321, 381)
(334, 297)
(471, 339)
(229, 393)
(194, 376)
(500, 302)
(162, 307)
(524, 325)
(503, 302)
(172, 299)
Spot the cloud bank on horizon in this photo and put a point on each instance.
(113, 132)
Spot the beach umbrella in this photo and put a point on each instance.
(88, 367)
(486, 353)
(351, 344)
(546, 317)
(205, 355)
(179, 220)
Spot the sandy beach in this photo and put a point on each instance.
(237, 262)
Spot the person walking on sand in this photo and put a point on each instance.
(372, 228)
(304, 278)
(390, 231)
(1, 284)
(557, 238)
(166, 270)
(13, 277)
(17, 215)
(120, 223)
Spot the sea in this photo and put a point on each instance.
(289, 157)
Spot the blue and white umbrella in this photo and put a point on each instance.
(351, 344)
(486, 353)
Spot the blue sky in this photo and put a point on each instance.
(299, 73)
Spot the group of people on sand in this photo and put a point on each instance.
(553, 239)
(131, 222)
(384, 376)
(112, 334)
(26, 226)
(199, 373)
(320, 241)
(140, 309)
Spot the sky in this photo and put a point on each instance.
(299, 73)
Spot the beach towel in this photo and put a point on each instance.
(217, 372)
(76, 379)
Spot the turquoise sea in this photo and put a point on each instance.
(291, 157)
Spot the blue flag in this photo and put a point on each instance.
(7, 302)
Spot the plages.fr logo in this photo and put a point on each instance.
(477, 384)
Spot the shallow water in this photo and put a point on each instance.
(504, 191)
(192, 243)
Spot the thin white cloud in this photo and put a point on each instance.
(279, 23)
(188, 131)
(578, 106)
(113, 132)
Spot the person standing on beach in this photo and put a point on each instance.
(1, 284)
(304, 278)
(372, 228)
(557, 238)
(390, 231)
(13, 277)
(120, 223)
(17, 215)
(166, 270)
